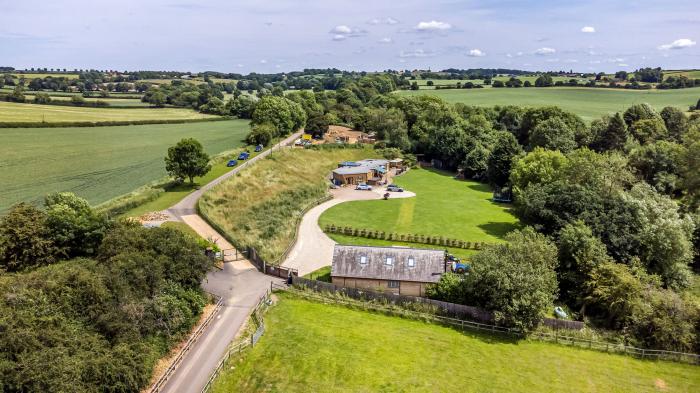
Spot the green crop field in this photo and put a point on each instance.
(15, 112)
(98, 163)
(309, 346)
(111, 101)
(694, 74)
(589, 103)
(443, 206)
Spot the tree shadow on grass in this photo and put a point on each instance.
(499, 229)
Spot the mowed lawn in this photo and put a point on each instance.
(98, 163)
(443, 206)
(310, 346)
(589, 103)
(16, 112)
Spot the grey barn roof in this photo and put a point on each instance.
(429, 264)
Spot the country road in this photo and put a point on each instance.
(239, 284)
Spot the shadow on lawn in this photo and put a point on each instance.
(498, 229)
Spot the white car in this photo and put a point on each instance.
(364, 187)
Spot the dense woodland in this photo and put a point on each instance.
(89, 304)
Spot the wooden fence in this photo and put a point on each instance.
(256, 316)
(556, 337)
(454, 310)
(264, 267)
(158, 385)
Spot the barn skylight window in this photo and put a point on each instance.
(389, 261)
(411, 262)
(363, 260)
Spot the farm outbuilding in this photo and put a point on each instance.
(371, 171)
(399, 270)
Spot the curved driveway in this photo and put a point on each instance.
(240, 285)
(313, 248)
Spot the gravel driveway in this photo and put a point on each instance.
(314, 249)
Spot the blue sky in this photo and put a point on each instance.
(285, 35)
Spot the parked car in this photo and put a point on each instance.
(560, 312)
(394, 188)
(244, 155)
(364, 187)
(231, 163)
(258, 148)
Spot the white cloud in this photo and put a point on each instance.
(263, 61)
(341, 29)
(476, 53)
(385, 21)
(433, 25)
(386, 40)
(508, 55)
(623, 65)
(678, 44)
(570, 61)
(545, 51)
(342, 32)
(416, 53)
(588, 29)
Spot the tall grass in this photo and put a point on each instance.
(258, 207)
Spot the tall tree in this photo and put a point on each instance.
(186, 160)
(505, 150)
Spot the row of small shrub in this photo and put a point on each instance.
(106, 123)
(409, 238)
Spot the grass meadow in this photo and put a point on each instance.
(589, 103)
(98, 163)
(260, 205)
(16, 112)
(423, 83)
(443, 206)
(309, 346)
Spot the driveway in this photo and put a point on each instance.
(239, 284)
(313, 248)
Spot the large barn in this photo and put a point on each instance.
(400, 270)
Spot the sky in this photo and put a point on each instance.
(283, 35)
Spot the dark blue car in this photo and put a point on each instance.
(244, 155)
(258, 148)
(231, 163)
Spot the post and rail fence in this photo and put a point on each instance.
(256, 316)
(462, 324)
